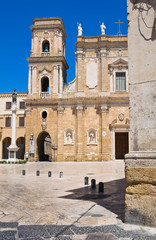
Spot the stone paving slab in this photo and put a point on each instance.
(42, 208)
(67, 232)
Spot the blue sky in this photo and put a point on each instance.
(15, 41)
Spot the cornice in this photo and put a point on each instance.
(52, 25)
(48, 59)
(102, 41)
(8, 95)
(110, 101)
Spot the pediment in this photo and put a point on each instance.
(119, 62)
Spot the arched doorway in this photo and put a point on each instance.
(20, 142)
(44, 147)
(6, 143)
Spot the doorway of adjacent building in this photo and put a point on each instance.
(20, 142)
(121, 144)
(6, 144)
(44, 147)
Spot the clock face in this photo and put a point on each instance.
(146, 18)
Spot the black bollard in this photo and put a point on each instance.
(93, 183)
(23, 172)
(61, 174)
(49, 174)
(86, 180)
(37, 173)
(101, 187)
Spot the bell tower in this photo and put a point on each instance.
(47, 63)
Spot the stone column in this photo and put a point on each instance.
(60, 133)
(141, 160)
(13, 148)
(80, 133)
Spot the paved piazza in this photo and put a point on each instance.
(42, 207)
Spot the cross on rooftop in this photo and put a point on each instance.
(119, 25)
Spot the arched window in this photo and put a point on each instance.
(45, 84)
(45, 46)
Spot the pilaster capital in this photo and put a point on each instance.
(80, 109)
(60, 110)
(103, 53)
(80, 54)
(56, 67)
(28, 111)
(102, 109)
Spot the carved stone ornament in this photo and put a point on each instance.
(44, 124)
(121, 117)
(45, 34)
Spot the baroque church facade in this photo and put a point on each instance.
(86, 120)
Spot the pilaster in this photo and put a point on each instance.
(104, 69)
(80, 132)
(105, 144)
(80, 70)
(55, 82)
(60, 132)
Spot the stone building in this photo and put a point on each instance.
(6, 124)
(88, 120)
(141, 160)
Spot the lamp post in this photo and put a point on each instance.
(13, 148)
(54, 147)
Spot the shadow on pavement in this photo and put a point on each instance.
(112, 199)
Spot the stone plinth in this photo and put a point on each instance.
(141, 191)
(12, 153)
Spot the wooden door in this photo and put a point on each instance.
(121, 144)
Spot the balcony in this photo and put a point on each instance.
(45, 54)
(44, 94)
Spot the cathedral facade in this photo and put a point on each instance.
(86, 120)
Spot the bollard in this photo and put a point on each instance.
(93, 183)
(86, 180)
(23, 172)
(49, 174)
(61, 174)
(101, 187)
(37, 173)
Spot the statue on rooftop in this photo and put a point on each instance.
(103, 27)
(80, 30)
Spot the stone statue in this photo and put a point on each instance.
(91, 137)
(69, 137)
(14, 96)
(103, 27)
(80, 30)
